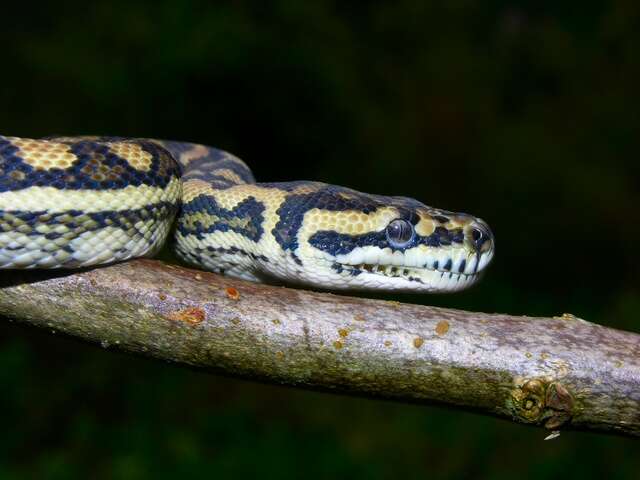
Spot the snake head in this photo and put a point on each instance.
(345, 239)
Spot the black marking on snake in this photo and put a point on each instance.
(447, 266)
(78, 222)
(443, 235)
(234, 251)
(297, 184)
(96, 158)
(336, 243)
(246, 218)
(351, 270)
(462, 266)
(53, 235)
(218, 182)
(204, 167)
(328, 197)
(457, 235)
(341, 243)
(96, 168)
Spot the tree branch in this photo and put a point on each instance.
(559, 372)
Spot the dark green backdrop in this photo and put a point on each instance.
(524, 113)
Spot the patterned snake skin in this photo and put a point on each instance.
(71, 202)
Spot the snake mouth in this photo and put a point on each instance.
(438, 274)
(440, 280)
(395, 271)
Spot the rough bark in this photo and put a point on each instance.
(560, 372)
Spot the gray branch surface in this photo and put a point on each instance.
(560, 373)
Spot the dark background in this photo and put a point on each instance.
(523, 113)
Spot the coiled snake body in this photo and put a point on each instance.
(70, 202)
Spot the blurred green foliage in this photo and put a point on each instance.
(524, 113)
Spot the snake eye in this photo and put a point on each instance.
(399, 233)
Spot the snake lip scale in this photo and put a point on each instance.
(70, 202)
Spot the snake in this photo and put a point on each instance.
(74, 202)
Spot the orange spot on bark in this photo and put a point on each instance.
(232, 293)
(343, 332)
(192, 315)
(442, 327)
(418, 341)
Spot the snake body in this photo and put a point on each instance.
(71, 202)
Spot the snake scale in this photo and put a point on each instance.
(70, 202)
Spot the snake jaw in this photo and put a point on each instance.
(442, 271)
(420, 279)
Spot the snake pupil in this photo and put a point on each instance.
(400, 233)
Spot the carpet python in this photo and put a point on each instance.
(70, 202)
